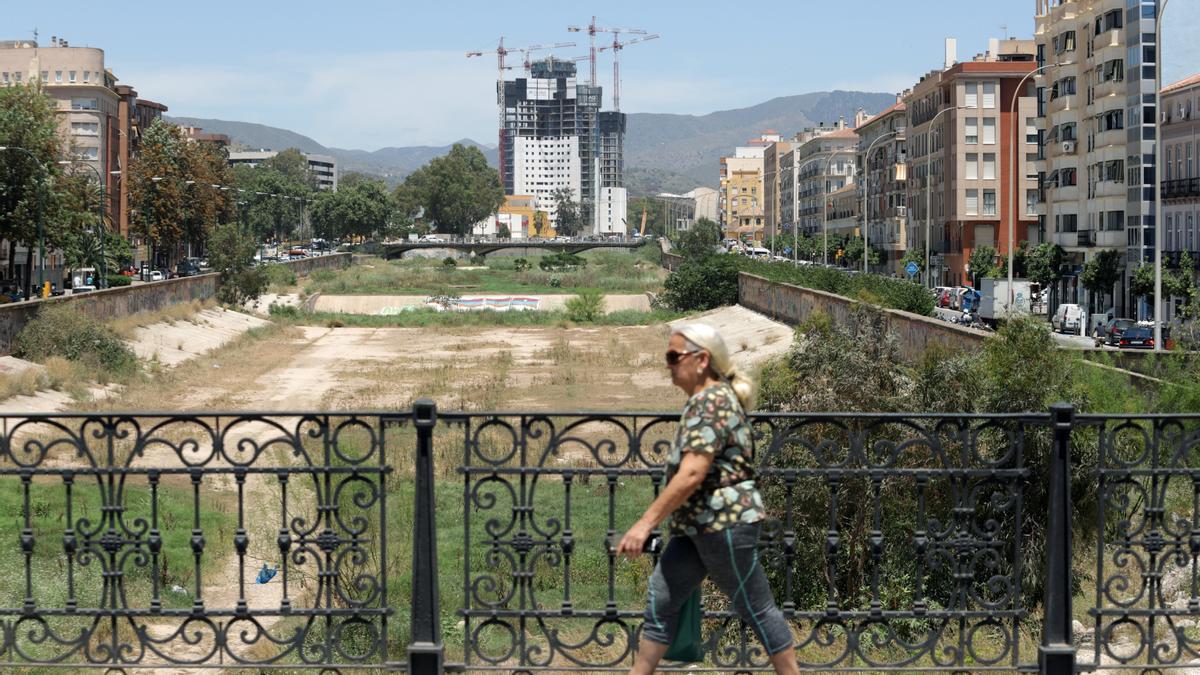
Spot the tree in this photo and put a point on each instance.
(853, 252)
(912, 255)
(293, 166)
(457, 190)
(569, 220)
(1043, 263)
(700, 241)
(231, 253)
(702, 283)
(503, 232)
(27, 181)
(982, 262)
(1141, 282)
(364, 209)
(1100, 274)
(1179, 282)
(157, 190)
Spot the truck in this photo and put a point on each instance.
(993, 301)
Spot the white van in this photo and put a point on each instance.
(1067, 318)
(759, 252)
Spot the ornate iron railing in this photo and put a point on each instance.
(909, 543)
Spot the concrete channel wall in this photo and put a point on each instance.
(793, 305)
(115, 302)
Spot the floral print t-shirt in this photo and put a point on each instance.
(713, 423)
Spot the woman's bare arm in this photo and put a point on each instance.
(692, 469)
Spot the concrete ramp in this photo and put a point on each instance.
(752, 338)
(175, 342)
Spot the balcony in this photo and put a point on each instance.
(1085, 238)
(1183, 188)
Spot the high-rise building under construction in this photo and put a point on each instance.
(555, 137)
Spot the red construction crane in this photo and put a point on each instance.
(592, 29)
(527, 50)
(616, 48)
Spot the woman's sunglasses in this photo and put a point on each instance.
(674, 357)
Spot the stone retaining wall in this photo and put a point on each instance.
(793, 305)
(114, 302)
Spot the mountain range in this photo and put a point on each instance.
(663, 152)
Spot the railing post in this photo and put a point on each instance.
(1056, 656)
(426, 653)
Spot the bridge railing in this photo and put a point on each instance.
(425, 541)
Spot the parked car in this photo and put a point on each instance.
(1067, 318)
(1110, 332)
(156, 275)
(187, 268)
(431, 239)
(1137, 337)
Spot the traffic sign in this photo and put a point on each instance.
(912, 269)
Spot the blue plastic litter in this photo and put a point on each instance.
(266, 574)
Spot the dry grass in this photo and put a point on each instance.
(126, 326)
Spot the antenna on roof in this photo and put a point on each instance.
(35, 34)
(1004, 27)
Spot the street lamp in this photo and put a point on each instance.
(928, 193)
(1158, 214)
(40, 229)
(1012, 189)
(866, 222)
(103, 233)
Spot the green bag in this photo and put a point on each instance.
(686, 645)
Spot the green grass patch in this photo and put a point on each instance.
(605, 271)
(48, 507)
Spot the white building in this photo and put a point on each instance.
(611, 211)
(490, 226)
(323, 167)
(542, 166)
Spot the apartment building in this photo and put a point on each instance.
(824, 163)
(772, 194)
(1181, 174)
(684, 210)
(100, 121)
(968, 128)
(884, 179)
(1096, 119)
(742, 194)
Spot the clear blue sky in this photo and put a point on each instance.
(374, 73)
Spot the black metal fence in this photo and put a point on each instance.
(425, 542)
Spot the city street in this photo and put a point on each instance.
(1065, 341)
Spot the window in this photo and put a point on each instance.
(17, 77)
(1066, 222)
(972, 130)
(972, 202)
(1031, 134)
(989, 94)
(6, 77)
(972, 98)
(45, 77)
(1064, 42)
(1168, 176)
(88, 153)
(83, 104)
(989, 202)
(85, 128)
(1067, 177)
(1169, 235)
(989, 131)
(972, 166)
(1031, 200)
(1189, 161)
(1112, 119)
(58, 77)
(989, 166)
(86, 75)
(71, 76)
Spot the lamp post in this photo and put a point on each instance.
(1012, 188)
(928, 195)
(103, 233)
(866, 221)
(1158, 214)
(41, 234)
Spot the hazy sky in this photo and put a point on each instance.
(373, 73)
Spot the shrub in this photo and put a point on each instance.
(449, 262)
(283, 311)
(892, 293)
(561, 261)
(117, 280)
(237, 288)
(322, 276)
(62, 330)
(702, 284)
(554, 282)
(520, 264)
(280, 275)
(587, 306)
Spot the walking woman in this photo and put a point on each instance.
(714, 504)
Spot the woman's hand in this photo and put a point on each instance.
(634, 540)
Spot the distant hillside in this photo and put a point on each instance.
(663, 152)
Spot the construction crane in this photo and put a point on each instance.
(616, 48)
(527, 50)
(501, 51)
(592, 29)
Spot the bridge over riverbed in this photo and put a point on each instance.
(396, 250)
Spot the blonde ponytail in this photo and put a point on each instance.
(704, 336)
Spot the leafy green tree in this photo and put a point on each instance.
(364, 209)
(29, 183)
(503, 232)
(1181, 282)
(914, 256)
(982, 262)
(852, 252)
(1100, 274)
(457, 190)
(158, 188)
(231, 253)
(1141, 282)
(293, 166)
(1043, 263)
(568, 221)
(702, 283)
(699, 241)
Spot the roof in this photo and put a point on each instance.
(842, 133)
(1182, 84)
